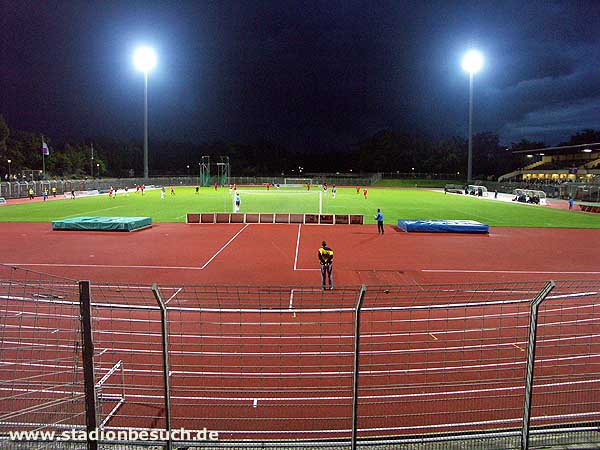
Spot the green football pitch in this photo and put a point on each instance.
(394, 203)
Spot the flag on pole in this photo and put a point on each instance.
(45, 149)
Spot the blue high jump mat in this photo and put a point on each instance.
(443, 226)
(95, 223)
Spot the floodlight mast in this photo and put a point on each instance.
(472, 63)
(145, 60)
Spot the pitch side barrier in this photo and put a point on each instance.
(313, 219)
(589, 206)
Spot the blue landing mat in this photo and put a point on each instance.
(443, 226)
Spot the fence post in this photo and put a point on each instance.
(165, 351)
(359, 302)
(87, 344)
(531, 342)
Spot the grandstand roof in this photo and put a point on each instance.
(564, 149)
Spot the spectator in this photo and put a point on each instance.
(326, 262)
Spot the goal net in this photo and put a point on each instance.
(296, 182)
(278, 201)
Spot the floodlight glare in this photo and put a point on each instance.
(472, 61)
(145, 59)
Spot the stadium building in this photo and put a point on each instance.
(574, 163)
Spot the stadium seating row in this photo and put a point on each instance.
(323, 219)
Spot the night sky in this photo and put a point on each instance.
(307, 74)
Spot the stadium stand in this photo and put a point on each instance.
(573, 163)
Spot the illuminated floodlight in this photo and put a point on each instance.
(472, 62)
(145, 59)
(587, 150)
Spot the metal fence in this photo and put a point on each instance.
(20, 189)
(512, 365)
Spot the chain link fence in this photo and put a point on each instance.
(512, 365)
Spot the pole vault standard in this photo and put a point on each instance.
(204, 171)
(223, 171)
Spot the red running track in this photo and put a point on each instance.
(281, 372)
(175, 253)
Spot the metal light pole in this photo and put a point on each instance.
(145, 60)
(472, 63)
(145, 124)
(470, 152)
(9, 161)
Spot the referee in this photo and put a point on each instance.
(326, 261)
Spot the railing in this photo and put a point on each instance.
(512, 365)
(20, 189)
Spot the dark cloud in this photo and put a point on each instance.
(311, 74)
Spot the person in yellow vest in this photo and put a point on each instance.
(326, 261)
(53, 191)
(30, 194)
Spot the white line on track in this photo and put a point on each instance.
(297, 246)
(291, 299)
(96, 286)
(224, 247)
(297, 249)
(508, 271)
(103, 266)
(115, 266)
(338, 397)
(171, 297)
(374, 336)
(402, 351)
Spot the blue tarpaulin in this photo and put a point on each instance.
(443, 226)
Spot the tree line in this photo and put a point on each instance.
(384, 151)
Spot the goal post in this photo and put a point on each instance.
(284, 201)
(297, 181)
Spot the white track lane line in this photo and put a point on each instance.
(297, 248)
(507, 271)
(171, 297)
(102, 266)
(224, 247)
(113, 266)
